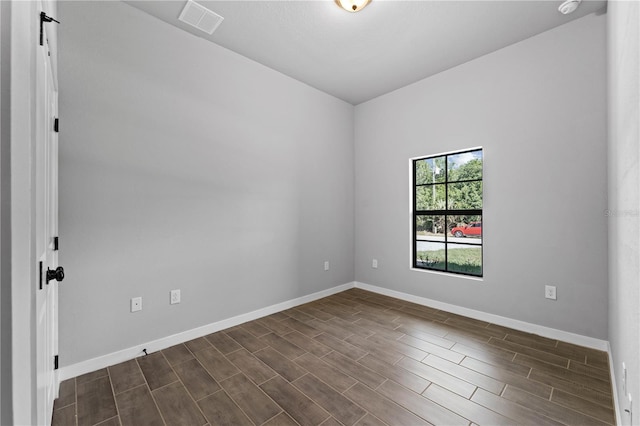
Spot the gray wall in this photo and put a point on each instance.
(6, 383)
(623, 37)
(538, 108)
(186, 166)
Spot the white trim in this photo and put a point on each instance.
(614, 386)
(94, 364)
(576, 339)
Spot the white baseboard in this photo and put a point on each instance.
(614, 386)
(98, 363)
(552, 333)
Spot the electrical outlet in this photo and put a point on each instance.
(374, 264)
(550, 292)
(175, 297)
(136, 304)
(326, 265)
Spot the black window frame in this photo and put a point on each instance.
(446, 213)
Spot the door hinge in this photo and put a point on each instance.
(40, 275)
(55, 125)
(55, 362)
(55, 243)
(44, 18)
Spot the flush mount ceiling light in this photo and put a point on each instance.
(569, 6)
(352, 5)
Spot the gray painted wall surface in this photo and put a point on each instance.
(186, 166)
(6, 382)
(623, 36)
(538, 108)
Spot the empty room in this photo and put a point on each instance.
(319, 212)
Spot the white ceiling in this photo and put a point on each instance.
(387, 45)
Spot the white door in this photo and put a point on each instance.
(46, 184)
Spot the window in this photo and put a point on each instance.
(447, 212)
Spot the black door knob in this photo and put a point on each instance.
(57, 274)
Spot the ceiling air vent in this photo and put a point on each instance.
(200, 17)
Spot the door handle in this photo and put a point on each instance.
(57, 274)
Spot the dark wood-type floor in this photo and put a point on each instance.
(354, 358)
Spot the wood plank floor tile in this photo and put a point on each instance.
(370, 420)
(412, 322)
(351, 327)
(255, 328)
(579, 351)
(495, 357)
(308, 344)
(464, 407)
(177, 407)
(281, 419)
(125, 376)
(589, 370)
(95, 401)
(330, 328)
(283, 346)
(379, 330)
(316, 313)
(331, 422)
(395, 373)
(340, 381)
(427, 337)
(198, 344)
(322, 394)
(157, 371)
(381, 407)
(219, 409)
(65, 415)
(301, 328)
(196, 379)
(354, 369)
(432, 315)
(177, 354)
(505, 376)
(399, 346)
(536, 342)
(466, 374)
(518, 413)
(251, 399)
(592, 395)
(280, 364)
(439, 377)
(298, 315)
(255, 369)
(216, 364)
(431, 348)
(341, 346)
(223, 343)
(91, 376)
(275, 326)
(113, 421)
(549, 409)
(419, 405)
(533, 353)
(574, 377)
(295, 403)
(137, 408)
(382, 353)
(246, 339)
(66, 394)
(606, 414)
